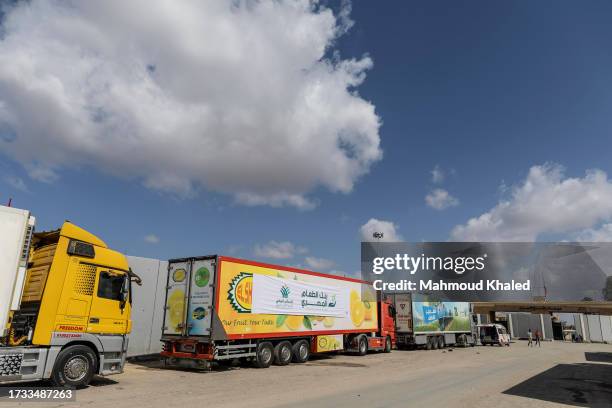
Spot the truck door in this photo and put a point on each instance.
(200, 305)
(110, 307)
(176, 296)
(403, 309)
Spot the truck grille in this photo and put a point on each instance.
(10, 364)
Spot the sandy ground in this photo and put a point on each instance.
(557, 374)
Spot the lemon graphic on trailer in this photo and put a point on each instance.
(368, 311)
(328, 321)
(358, 309)
(294, 322)
(179, 275)
(176, 304)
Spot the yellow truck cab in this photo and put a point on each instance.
(73, 314)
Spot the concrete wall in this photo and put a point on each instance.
(606, 328)
(147, 305)
(594, 328)
(595, 333)
(522, 322)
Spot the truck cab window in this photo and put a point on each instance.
(110, 286)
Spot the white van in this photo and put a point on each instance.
(493, 334)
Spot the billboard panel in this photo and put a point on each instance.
(257, 299)
(441, 316)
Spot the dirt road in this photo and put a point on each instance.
(553, 375)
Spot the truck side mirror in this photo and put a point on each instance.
(125, 293)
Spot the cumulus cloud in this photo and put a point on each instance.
(318, 263)
(241, 97)
(437, 174)
(151, 239)
(17, 183)
(278, 250)
(440, 199)
(546, 202)
(388, 228)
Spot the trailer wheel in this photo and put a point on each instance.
(362, 346)
(429, 343)
(387, 345)
(265, 355)
(74, 366)
(301, 351)
(282, 353)
(440, 342)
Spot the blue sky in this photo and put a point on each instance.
(485, 90)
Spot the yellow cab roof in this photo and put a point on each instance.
(70, 230)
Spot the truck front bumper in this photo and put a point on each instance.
(18, 364)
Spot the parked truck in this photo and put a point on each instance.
(220, 309)
(425, 323)
(64, 303)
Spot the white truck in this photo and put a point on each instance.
(17, 227)
(425, 323)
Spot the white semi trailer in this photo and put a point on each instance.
(423, 323)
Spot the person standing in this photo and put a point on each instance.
(537, 338)
(530, 336)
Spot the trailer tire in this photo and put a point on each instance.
(429, 343)
(265, 355)
(301, 351)
(75, 366)
(440, 342)
(362, 346)
(282, 353)
(387, 345)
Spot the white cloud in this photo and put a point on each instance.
(440, 199)
(319, 264)
(388, 228)
(235, 97)
(17, 183)
(601, 234)
(278, 250)
(276, 200)
(437, 174)
(546, 202)
(151, 239)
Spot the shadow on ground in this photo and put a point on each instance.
(582, 384)
(156, 362)
(599, 357)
